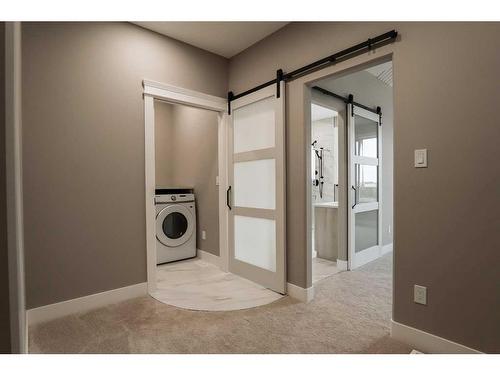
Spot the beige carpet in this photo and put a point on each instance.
(350, 314)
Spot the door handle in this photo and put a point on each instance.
(228, 197)
(355, 196)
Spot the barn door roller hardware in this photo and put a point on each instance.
(345, 54)
(350, 100)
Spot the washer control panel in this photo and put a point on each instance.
(173, 198)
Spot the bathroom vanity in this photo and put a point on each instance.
(326, 230)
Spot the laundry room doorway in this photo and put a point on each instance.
(193, 220)
(185, 178)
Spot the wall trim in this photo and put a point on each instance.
(366, 256)
(386, 249)
(210, 258)
(85, 303)
(14, 186)
(180, 95)
(427, 342)
(342, 265)
(303, 295)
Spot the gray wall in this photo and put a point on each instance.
(372, 92)
(446, 218)
(83, 149)
(5, 346)
(164, 145)
(186, 156)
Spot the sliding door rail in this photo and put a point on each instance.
(348, 100)
(345, 54)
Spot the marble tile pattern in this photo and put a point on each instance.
(323, 268)
(197, 285)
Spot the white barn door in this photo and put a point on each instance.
(256, 191)
(364, 180)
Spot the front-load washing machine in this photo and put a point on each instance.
(175, 226)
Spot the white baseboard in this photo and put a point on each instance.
(303, 295)
(210, 258)
(369, 255)
(386, 249)
(86, 303)
(427, 342)
(366, 256)
(341, 265)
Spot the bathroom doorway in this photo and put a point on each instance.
(351, 169)
(326, 258)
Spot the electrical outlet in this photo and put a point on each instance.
(389, 229)
(203, 235)
(420, 294)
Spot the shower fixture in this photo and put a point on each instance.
(318, 168)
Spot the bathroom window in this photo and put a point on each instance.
(367, 147)
(366, 177)
(366, 137)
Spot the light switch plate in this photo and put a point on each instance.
(420, 294)
(421, 158)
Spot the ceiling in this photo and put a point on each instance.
(223, 38)
(383, 72)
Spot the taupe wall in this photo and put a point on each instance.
(186, 156)
(5, 346)
(372, 92)
(83, 149)
(446, 220)
(164, 145)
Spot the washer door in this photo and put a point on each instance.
(174, 225)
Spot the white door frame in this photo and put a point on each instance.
(172, 94)
(340, 108)
(14, 187)
(302, 91)
(354, 261)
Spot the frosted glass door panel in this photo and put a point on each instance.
(255, 241)
(366, 137)
(366, 230)
(255, 184)
(254, 126)
(256, 189)
(366, 183)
